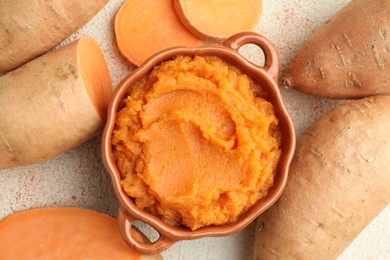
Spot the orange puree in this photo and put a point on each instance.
(197, 142)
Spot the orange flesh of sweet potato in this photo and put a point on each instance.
(218, 19)
(347, 57)
(30, 28)
(63, 233)
(53, 103)
(143, 28)
(95, 75)
(339, 181)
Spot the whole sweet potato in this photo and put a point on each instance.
(30, 28)
(339, 181)
(347, 57)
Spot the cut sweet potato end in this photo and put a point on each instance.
(63, 233)
(218, 19)
(95, 74)
(144, 28)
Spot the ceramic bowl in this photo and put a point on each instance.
(267, 77)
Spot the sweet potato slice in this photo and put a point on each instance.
(53, 103)
(143, 28)
(64, 233)
(30, 28)
(218, 19)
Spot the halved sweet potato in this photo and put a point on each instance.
(63, 233)
(53, 103)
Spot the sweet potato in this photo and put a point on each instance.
(53, 103)
(347, 57)
(339, 181)
(143, 28)
(218, 19)
(64, 233)
(30, 28)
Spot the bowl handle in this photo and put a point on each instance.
(125, 227)
(271, 63)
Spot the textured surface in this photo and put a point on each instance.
(78, 178)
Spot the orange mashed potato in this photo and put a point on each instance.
(197, 143)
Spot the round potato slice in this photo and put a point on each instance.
(218, 19)
(143, 28)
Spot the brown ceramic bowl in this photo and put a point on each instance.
(267, 77)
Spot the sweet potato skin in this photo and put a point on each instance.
(348, 56)
(45, 109)
(30, 28)
(339, 181)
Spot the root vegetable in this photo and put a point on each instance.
(143, 28)
(347, 57)
(30, 28)
(53, 103)
(339, 181)
(218, 19)
(64, 233)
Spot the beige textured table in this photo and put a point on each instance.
(78, 178)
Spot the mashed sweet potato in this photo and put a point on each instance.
(197, 143)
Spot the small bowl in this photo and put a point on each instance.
(267, 77)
